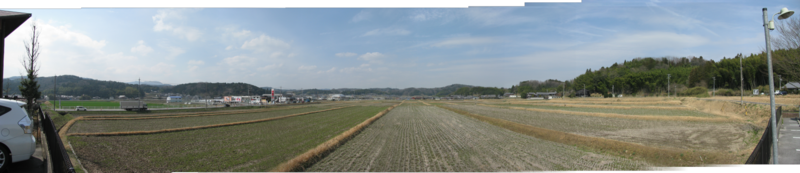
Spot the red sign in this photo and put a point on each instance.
(273, 92)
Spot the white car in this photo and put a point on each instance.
(80, 108)
(16, 139)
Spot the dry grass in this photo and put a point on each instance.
(195, 127)
(300, 162)
(658, 156)
(603, 106)
(612, 115)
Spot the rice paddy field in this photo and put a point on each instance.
(432, 136)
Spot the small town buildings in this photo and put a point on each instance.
(174, 99)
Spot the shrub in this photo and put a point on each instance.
(726, 92)
(596, 95)
(696, 91)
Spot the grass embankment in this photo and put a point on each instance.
(616, 115)
(311, 156)
(658, 156)
(603, 106)
(247, 147)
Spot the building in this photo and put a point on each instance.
(174, 99)
(544, 94)
(792, 86)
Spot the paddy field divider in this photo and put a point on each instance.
(613, 115)
(655, 155)
(195, 127)
(300, 162)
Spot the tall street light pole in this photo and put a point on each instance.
(785, 13)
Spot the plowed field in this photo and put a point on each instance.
(416, 137)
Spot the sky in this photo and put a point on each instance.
(382, 47)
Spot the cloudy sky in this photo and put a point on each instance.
(383, 47)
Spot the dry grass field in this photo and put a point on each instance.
(416, 137)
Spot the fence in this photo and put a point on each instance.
(763, 151)
(55, 152)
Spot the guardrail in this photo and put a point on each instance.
(56, 153)
(763, 151)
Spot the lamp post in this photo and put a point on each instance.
(784, 13)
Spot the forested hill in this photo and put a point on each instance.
(215, 89)
(440, 91)
(649, 75)
(77, 86)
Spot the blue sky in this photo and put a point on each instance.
(383, 47)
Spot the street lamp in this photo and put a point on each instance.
(785, 13)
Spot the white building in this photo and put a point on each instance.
(174, 99)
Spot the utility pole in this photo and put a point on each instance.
(55, 92)
(139, 92)
(741, 81)
(668, 76)
(780, 83)
(612, 91)
(714, 90)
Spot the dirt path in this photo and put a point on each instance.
(415, 137)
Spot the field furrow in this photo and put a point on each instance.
(427, 138)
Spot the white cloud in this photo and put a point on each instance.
(372, 57)
(364, 65)
(174, 52)
(229, 48)
(196, 62)
(163, 68)
(303, 67)
(333, 69)
(189, 33)
(276, 54)
(240, 60)
(387, 31)
(241, 34)
(270, 67)
(363, 15)
(463, 41)
(141, 48)
(264, 43)
(346, 54)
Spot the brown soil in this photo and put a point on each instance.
(416, 137)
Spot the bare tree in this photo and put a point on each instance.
(786, 50)
(29, 87)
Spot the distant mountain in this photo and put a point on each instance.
(439, 91)
(151, 83)
(76, 86)
(216, 89)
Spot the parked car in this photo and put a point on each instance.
(16, 136)
(80, 108)
(779, 92)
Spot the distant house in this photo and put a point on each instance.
(544, 94)
(122, 97)
(174, 99)
(792, 86)
(582, 92)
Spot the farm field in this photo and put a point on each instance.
(415, 137)
(86, 103)
(707, 136)
(610, 109)
(91, 126)
(247, 147)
